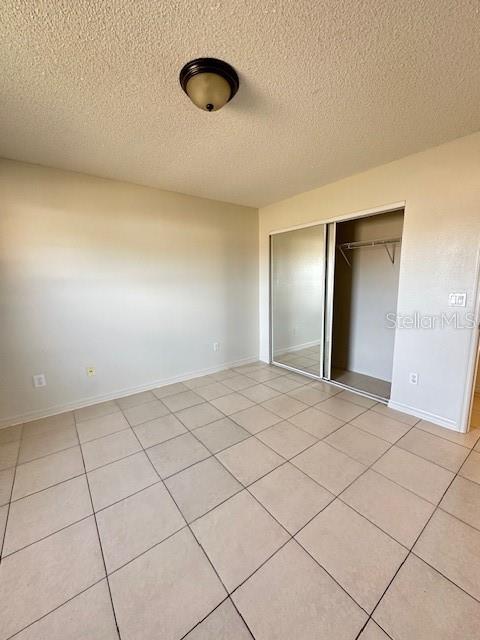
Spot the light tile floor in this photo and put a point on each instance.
(305, 358)
(247, 503)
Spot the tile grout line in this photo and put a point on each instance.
(367, 467)
(47, 455)
(431, 461)
(380, 473)
(1, 558)
(337, 496)
(98, 534)
(195, 538)
(212, 455)
(212, 611)
(468, 524)
(411, 551)
(254, 434)
(289, 460)
(285, 460)
(190, 430)
(246, 487)
(130, 495)
(170, 412)
(243, 487)
(190, 529)
(153, 546)
(30, 624)
(130, 455)
(389, 535)
(4, 534)
(290, 536)
(49, 535)
(323, 439)
(50, 486)
(441, 437)
(359, 635)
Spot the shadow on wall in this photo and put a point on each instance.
(135, 281)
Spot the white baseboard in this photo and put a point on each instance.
(119, 393)
(426, 415)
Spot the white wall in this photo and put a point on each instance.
(137, 282)
(440, 250)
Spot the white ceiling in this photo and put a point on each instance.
(328, 88)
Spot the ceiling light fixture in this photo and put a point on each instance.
(209, 83)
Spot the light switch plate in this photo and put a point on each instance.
(457, 299)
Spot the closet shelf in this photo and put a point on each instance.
(388, 243)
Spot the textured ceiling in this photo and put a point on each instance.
(328, 88)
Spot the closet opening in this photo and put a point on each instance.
(362, 291)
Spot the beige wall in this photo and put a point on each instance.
(440, 254)
(137, 282)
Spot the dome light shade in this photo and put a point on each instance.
(209, 83)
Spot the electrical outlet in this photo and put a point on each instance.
(216, 346)
(39, 380)
(91, 371)
(413, 378)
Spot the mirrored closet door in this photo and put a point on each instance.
(333, 290)
(298, 298)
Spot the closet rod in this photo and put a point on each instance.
(388, 242)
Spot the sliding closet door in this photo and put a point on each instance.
(329, 291)
(297, 298)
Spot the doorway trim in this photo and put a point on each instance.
(352, 215)
(474, 355)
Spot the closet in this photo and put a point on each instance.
(334, 291)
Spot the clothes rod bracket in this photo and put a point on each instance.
(389, 244)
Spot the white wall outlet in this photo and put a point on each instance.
(216, 346)
(91, 371)
(413, 378)
(39, 380)
(457, 299)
